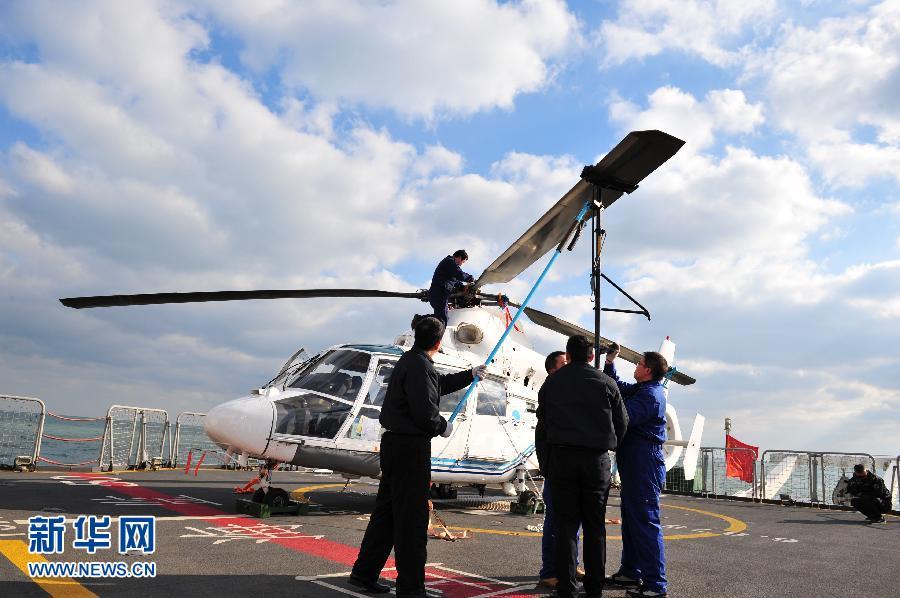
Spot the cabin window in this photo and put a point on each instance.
(491, 399)
(449, 401)
(366, 426)
(378, 388)
(339, 374)
(310, 415)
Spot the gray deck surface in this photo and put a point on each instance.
(714, 547)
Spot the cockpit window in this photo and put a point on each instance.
(310, 415)
(378, 388)
(339, 374)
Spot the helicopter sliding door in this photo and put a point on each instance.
(446, 452)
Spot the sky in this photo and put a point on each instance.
(211, 145)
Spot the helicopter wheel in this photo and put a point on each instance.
(528, 500)
(276, 497)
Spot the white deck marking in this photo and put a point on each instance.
(339, 589)
(530, 586)
(474, 576)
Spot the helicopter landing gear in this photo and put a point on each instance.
(443, 491)
(528, 504)
(274, 497)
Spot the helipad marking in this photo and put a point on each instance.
(322, 548)
(63, 587)
(734, 526)
(452, 583)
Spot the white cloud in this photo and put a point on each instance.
(835, 86)
(712, 30)
(437, 159)
(747, 217)
(420, 59)
(679, 113)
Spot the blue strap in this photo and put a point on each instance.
(512, 324)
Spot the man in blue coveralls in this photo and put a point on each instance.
(448, 278)
(643, 471)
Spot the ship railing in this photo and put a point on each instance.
(21, 428)
(895, 484)
(713, 474)
(710, 476)
(806, 476)
(191, 441)
(135, 438)
(56, 440)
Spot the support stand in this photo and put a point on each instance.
(596, 260)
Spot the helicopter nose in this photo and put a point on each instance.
(244, 424)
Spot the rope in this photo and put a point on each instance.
(96, 438)
(76, 419)
(51, 461)
(504, 306)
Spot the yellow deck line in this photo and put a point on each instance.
(734, 525)
(58, 587)
(300, 492)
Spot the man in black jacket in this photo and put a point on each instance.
(584, 417)
(411, 419)
(870, 496)
(448, 278)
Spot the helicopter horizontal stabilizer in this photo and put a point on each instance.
(200, 297)
(692, 452)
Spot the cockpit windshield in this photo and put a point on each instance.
(339, 373)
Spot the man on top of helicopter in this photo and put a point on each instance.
(448, 278)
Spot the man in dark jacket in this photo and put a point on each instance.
(411, 419)
(582, 412)
(448, 278)
(547, 574)
(642, 468)
(870, 495)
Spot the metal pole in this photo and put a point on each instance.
(512, 323)
(596, 262)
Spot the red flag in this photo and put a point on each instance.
(739, 463)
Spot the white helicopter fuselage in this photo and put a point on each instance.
(325, 414)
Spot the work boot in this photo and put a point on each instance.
(618, 580)
(371, 587)
(548, 582)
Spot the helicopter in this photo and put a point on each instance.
(322, 411)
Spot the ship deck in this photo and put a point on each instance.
(713, 547)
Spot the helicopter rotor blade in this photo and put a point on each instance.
(204, 296)
(551, 322)
(620, 171)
